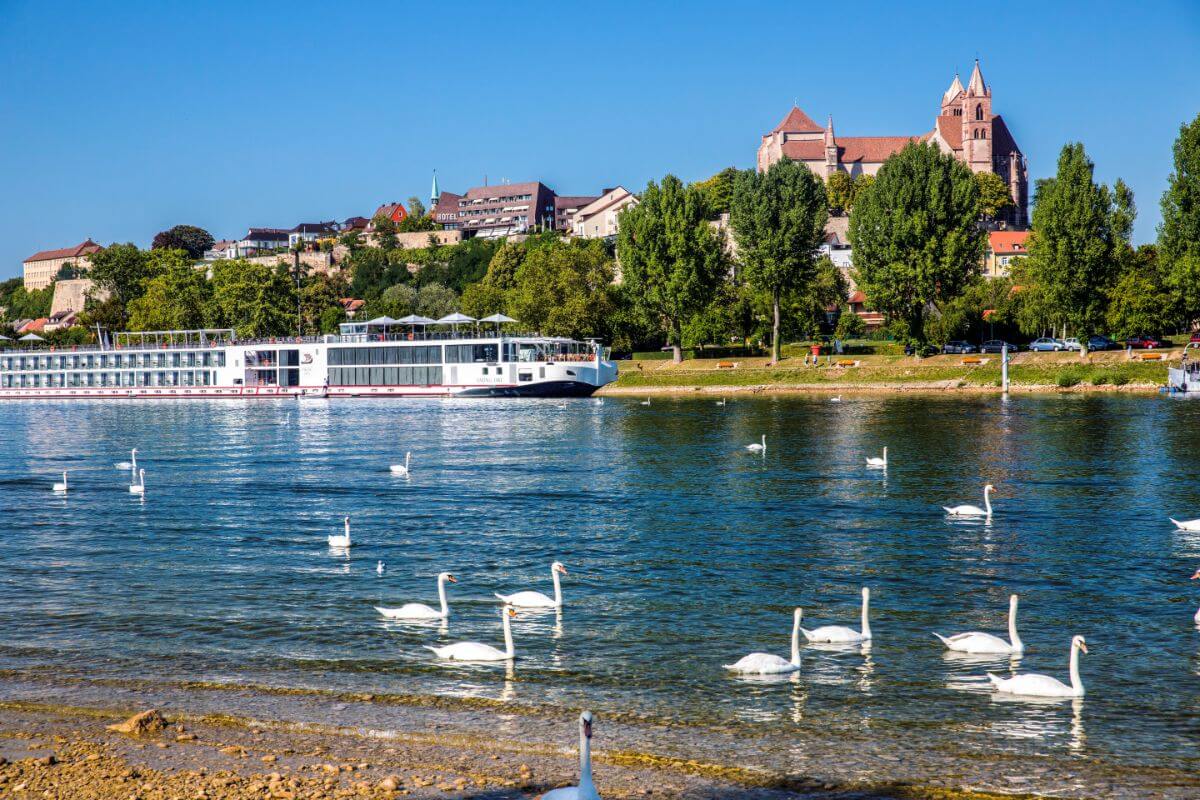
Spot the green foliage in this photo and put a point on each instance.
(396, 302)
(1068, 376)
(993, 194)
(565, 289)
(321, 303)
(1072, 260)
(436, 301)
(120, 269)
(192, 240)
(778, 219)
(502, 269)
(385, 232)
(1179, 234)
(850, 326)
(1140, 301)
(915, 234)
(178, 298)
(840, 187)
(418, 218)
(483, 299)
(671, 258)
(962, 317)
(22, 304)
(717, 191)
(253, 299)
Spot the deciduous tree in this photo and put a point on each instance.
(916, 235)
(778, 219)
(1179, 233)
(253, 299)
(840, 188)
(718, 191)
(993, 194)
(565, 290)
(178, 298)
(671, 259)
(192, 240)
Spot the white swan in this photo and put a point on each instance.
(758, 448)
(973, 511)
(1034, 685)
(131, 464)
(420, 610)
(474, 651)
(344, 539)
(645, 402)
(140, 486)
(981, 643)
(769, 663)
(1196, 618)
(402, 469)
(839, 634)
(837, 399)
(1186, 525)
(537, 599)
(379, 568)
(62, 487)
(586, 790)
(721, 402)
(872, 461)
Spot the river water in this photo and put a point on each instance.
(684, 551)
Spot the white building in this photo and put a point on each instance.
(598, 219)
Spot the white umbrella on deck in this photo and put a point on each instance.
(31, 337)
(455, 319)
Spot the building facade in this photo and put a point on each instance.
(1004, 248)
(566, 207)
(598, 219)
(41, 268)
(503, 210)
(964, 127)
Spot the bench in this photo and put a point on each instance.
(847, 362)
(973, 361)
(1152, 356)
(727, 365)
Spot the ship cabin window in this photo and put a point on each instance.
(472, 353)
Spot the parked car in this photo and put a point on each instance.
(1101, 343)
(1195, 338)
(996, 345)
(958, 346)
(1047, 344)
(1072, 344)
(1145, 342)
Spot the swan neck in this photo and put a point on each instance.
(585, 759)
(557, 587)
(1013, 638)
(866, 622)
(508, 640)
(987, 500)
(796, 640)
(442, 596)
(1076, 683)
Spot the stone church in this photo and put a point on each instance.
(965, 127)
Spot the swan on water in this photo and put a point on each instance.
(1196, 618)
(769, 663)
(973, 511)
(140, 486)
(344, 539)
(62, 487)
(537, 599)
(131, 464)
(837, 399)
(379, 568)
(872, 461)
(474, 651)
(598, 401)
(645, 402)
(1186, 525)
(721, 402)
(839, 634)
(982, 643)
(420, 610)
(1034, 685)
(586, 790)
(758, 448)
(402, 469)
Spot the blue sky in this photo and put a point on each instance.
(124, 119)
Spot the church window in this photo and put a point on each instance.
(979, 111)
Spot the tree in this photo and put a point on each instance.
(993, 194)
(396, 301)
(840, 188)
(176, 299)
(1140, 300)
(564, 289)
(849, 325)
(253, 299)
(778, 219)
(321, 309)
(502, 269)
(483, 299)
(436, 301)
(916, 235)
(385, 232)
(862, 184)
(718, 191)
(1179, 233)
(415, 207)
(671, 258)
(418, 218)
(119, 269)
(192, 240)
(1071, 250)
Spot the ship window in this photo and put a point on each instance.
(525, 377)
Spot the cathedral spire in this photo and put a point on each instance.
(829, 138)
(434, 194)
(976, 86)
(954, 91)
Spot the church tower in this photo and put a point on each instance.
(952, 99)
(976, 105)
(831, 150)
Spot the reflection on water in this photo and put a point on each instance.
(683, 548)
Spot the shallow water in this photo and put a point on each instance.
(684, 550)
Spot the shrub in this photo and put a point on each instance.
(1120, 380)
(1099, 379)
(1068, 378)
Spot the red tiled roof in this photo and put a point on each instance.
(811, 150)
(351, 303)
(37, 324)
(797, 121)
(393, 211)
(857, 297)
(874, 149)
(84, 248)
(950, 128)
(502, 190)
(1008, 242)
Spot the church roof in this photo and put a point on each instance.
(976, 86)
(1002, 141)
(797, 122)
(868, 149)
(949, 127)
(954, 91)
(809, 150)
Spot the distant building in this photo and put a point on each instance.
(565, 209)
(965, 127)
(503, 210)
(598, 219)
(41, 268)
(59, 321)
(354, 224)
(396, 212)
(309, 232)
(226, 248)
(1003, 248)
(858, 305)
(32, 326)
(258, 240)
(352, 305)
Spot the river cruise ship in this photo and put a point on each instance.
(379, 358)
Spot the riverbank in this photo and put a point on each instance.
(876, 374)
(66, 752)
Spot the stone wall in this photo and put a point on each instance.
(71, 295)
